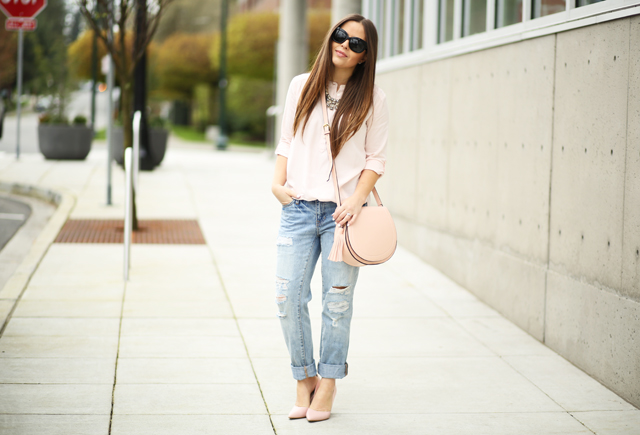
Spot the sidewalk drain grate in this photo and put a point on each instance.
(165, 231)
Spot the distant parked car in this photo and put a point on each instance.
(44, 103)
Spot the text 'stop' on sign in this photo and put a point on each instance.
(22, 8)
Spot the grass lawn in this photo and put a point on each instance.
(101, 134)
(193, 135)
(188, 133)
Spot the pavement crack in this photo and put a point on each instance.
(244, 343)
(115, 372)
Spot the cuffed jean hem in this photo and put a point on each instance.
(333, 371)
(301, 373)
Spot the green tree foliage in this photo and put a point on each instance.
(252, 42)
(248, 100)
(79, 56)
(252, 39)
(182, 64)
(8, 49)
(189, 16)
(44, 67)
(319, 23)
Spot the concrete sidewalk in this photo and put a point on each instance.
(192, 345)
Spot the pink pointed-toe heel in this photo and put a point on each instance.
(301, 411)
(313, 415)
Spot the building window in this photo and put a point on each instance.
(542, 8)
(405, 26)
(445, 31)
(399, 24)
(586, 2)
(508, 12)
(474, 17)
(413, 15)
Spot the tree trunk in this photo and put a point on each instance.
(127, 126)
(127, 130)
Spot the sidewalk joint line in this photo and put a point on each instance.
(244, 343)
(26, 286)
(226, 294)
(565, 410)
(115, 370)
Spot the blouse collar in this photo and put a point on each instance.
(335, 90)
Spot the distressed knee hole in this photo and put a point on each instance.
(340, 290)
(282, 283)
(280, 300)
(284, 241)
(338, 307)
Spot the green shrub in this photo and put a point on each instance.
(79, 120)
(157, 122)
(53, 118)
(248, 101)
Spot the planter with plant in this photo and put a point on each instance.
(59, 140)
(158, 137)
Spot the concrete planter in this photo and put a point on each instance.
(157, 142)
(64, 142)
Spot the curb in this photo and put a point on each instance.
(65, 202)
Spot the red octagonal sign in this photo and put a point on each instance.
(22, 8)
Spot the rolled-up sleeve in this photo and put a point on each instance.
(377, 134)
(288, 115)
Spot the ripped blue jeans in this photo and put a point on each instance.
(306, 232)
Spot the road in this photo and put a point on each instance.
(79, 104)
(12, 215)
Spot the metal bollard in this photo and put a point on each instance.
(137, 117)
(128, 210)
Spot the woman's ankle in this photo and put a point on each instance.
(309, 382)
(328, 382)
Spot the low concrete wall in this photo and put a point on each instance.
(516, 171)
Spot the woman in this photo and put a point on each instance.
(343, 74)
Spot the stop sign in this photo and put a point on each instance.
(22, 8)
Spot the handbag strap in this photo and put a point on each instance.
(327, 138)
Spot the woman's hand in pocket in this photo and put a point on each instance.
(284, 194)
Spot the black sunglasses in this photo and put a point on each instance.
(356, 45)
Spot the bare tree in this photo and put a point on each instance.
(103, 16)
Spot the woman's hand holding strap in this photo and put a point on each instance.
(349, 210)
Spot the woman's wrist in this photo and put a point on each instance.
(360, 197)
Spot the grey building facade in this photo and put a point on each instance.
(514, 163)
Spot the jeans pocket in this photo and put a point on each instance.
(289, 204)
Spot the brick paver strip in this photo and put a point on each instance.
(165, 231)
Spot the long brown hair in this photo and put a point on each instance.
(357, 97)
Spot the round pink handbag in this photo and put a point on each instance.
(372, 238)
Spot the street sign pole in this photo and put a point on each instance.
(222, 79)
(20, 45)
(110, 84)
(21, 16)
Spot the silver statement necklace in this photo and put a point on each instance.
(332, 103)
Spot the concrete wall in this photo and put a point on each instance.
(516, 171)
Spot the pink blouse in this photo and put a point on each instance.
(308, 165)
